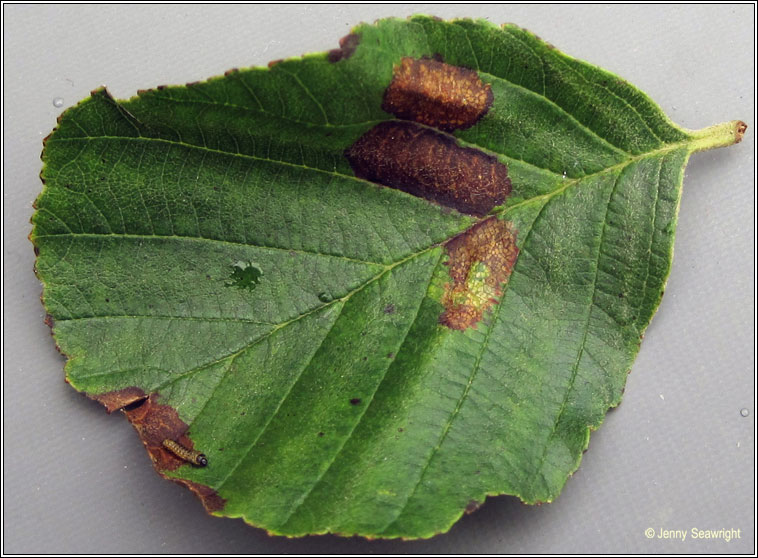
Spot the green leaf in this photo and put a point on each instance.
(372, 286)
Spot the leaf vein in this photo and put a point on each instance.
(575, 368)
(365, 411)
(466, 388)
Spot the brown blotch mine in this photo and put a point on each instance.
(480, 262)
(348, 44)
(154, 423)
(437, 94)
(115, 400)
(430, 165)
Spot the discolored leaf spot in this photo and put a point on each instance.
(348, 44)
(115, 400)
(430, 165)
(440, 95)
(480, 262)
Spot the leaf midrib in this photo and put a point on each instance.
(502, 210)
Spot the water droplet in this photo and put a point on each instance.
(324, 297)
(744, 412)
(58, 102)
(245, 275)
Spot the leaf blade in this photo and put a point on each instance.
(288, 482)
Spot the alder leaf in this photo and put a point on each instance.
(372, 286)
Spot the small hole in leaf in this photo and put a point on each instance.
(245, 275)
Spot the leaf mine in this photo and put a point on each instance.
(118, 399)
(155, 423)
(440, 95)
(480, 262)
(430, 165)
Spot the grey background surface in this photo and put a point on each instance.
(676, 454)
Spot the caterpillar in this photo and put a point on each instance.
(193, 456)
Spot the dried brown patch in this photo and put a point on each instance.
(154, 423)
(437, 94)
(348, 44)
(430, 165)
(480, 262)
(115, 400)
